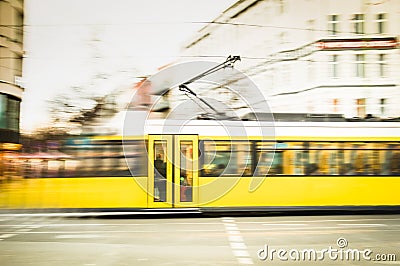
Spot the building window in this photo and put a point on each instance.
(333, 24)
(358, 22)
(361, 107)
(360, 65)
(281, 6)
(382, 105)
(9, 112)
(382, 65)
(3, 111)
(335, 104)
(13, 108)
(381, 23)
(19, 21)
(334, 64)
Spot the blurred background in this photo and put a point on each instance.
(71, 68)
(70, 72)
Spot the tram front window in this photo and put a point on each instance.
(160, 171)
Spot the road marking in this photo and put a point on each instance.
(193, 223)
(78, 236)
(326, 220)
(3, 236)
(315, 228)
(238, 245)
(66, 225)
(362, 225)
(233, 234)
(233, 238)
(22, 230)
(241, 253)
(231, 227)
(98, 224)
(91, 232)
(285, 224)
(236, 242)
(246, 261)
(191, 230)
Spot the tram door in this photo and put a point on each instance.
(173, 175)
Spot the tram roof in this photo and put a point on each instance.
(263, 128)
(214, 128)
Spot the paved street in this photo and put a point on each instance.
(61, 240)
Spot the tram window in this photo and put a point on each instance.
(361, 159)
(387, 156)
(113, 159)
(298, 162)
(323, 158)
(270, 163)
(269, 160)
(226, 158)
(395, 160)
(347, 167)
(340, 160)
(136, 157)
(333, 159)
(375, 163)
(299, 158)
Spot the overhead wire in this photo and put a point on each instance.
(176, 22)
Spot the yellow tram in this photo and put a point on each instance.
(302, 165)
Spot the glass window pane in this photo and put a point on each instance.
(3, 110)
(186, 171)
(160, 170)
(136, 156)
(270, 161)
(225, 158)
(395, 160)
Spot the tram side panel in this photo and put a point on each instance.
(95, 175)
(308, 173)
(362, 172)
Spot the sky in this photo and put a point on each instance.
(99, 45)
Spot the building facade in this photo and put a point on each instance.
(11, 52)
(312, 56)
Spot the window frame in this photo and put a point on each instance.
(360, 63)
(358, 21)
(381, 23)
(333, 24)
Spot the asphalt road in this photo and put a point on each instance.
(34, 239)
